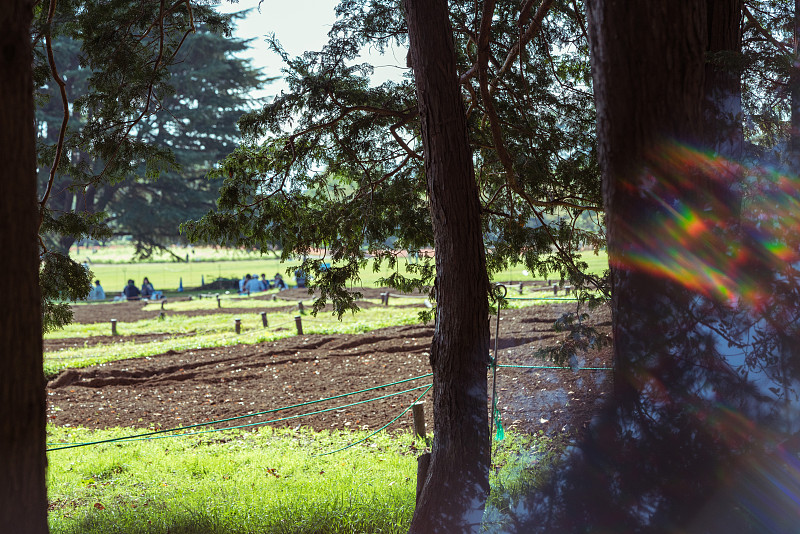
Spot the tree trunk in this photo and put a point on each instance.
(23, 498)
(648, 84)
(456, 486)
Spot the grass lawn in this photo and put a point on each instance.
(263, 481)
(113, 267)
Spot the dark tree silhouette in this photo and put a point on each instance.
(23, 498)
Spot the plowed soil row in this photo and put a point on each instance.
(202, 385)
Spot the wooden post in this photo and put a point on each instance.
(264, 319)
(238, 325)
(418, 411)
(387, 300)
(520, 288)
(219, 302)
(113, 327)
(298, 321)
(383, 298)
(300, 307)
(555, 289)
(567, 289)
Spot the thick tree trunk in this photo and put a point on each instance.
(648, 84)
(23, 498)
(457, 484)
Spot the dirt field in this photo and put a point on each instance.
(201, 385)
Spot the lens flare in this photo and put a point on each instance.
(719, 228)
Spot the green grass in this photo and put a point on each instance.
(268, 481)
(113, 267)
(265, 481)
(211, 331)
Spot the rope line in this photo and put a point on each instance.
(542, 298)
(145, 437)
(559, 367)
(274, 410)
(380, 429)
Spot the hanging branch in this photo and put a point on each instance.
(62, 86)
(500, 147)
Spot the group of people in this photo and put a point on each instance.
(129, 292)
(248, 284)
(254, 284)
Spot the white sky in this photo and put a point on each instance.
(299, 25)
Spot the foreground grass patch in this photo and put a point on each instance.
(265, 481)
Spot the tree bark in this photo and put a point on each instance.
(457, 484)
(648, 84)
(23, 497)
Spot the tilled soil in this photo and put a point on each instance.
(203, 385)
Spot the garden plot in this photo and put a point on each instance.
(200, 385)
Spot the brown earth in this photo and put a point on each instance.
(202, 385)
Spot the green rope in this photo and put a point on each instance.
(559, 367)
(196, 425)
(571, 299)
(127, 439)
(381, 428)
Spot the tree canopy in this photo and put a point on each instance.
(150, 110)
(336, 163)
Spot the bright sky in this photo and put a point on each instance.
(299, 25)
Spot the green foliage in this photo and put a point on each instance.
(335, 163)
(152, 91)
(61, 281)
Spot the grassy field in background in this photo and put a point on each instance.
(113, 266)
(264, 481)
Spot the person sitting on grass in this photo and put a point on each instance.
(264, 282)
(243, 284)
(147, 289)
(253, 285)
(131, 292)
(97, 292)
(279, 283)
(300, 277)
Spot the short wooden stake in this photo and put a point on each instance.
(113, 327)
(567, 289)
(238, 326)
(219, 302)
(298, 321)
(300, 307)
(418, 411)
(555, 289)
(264, 319)
(520, 288)
(386, 303)
(383, 298)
